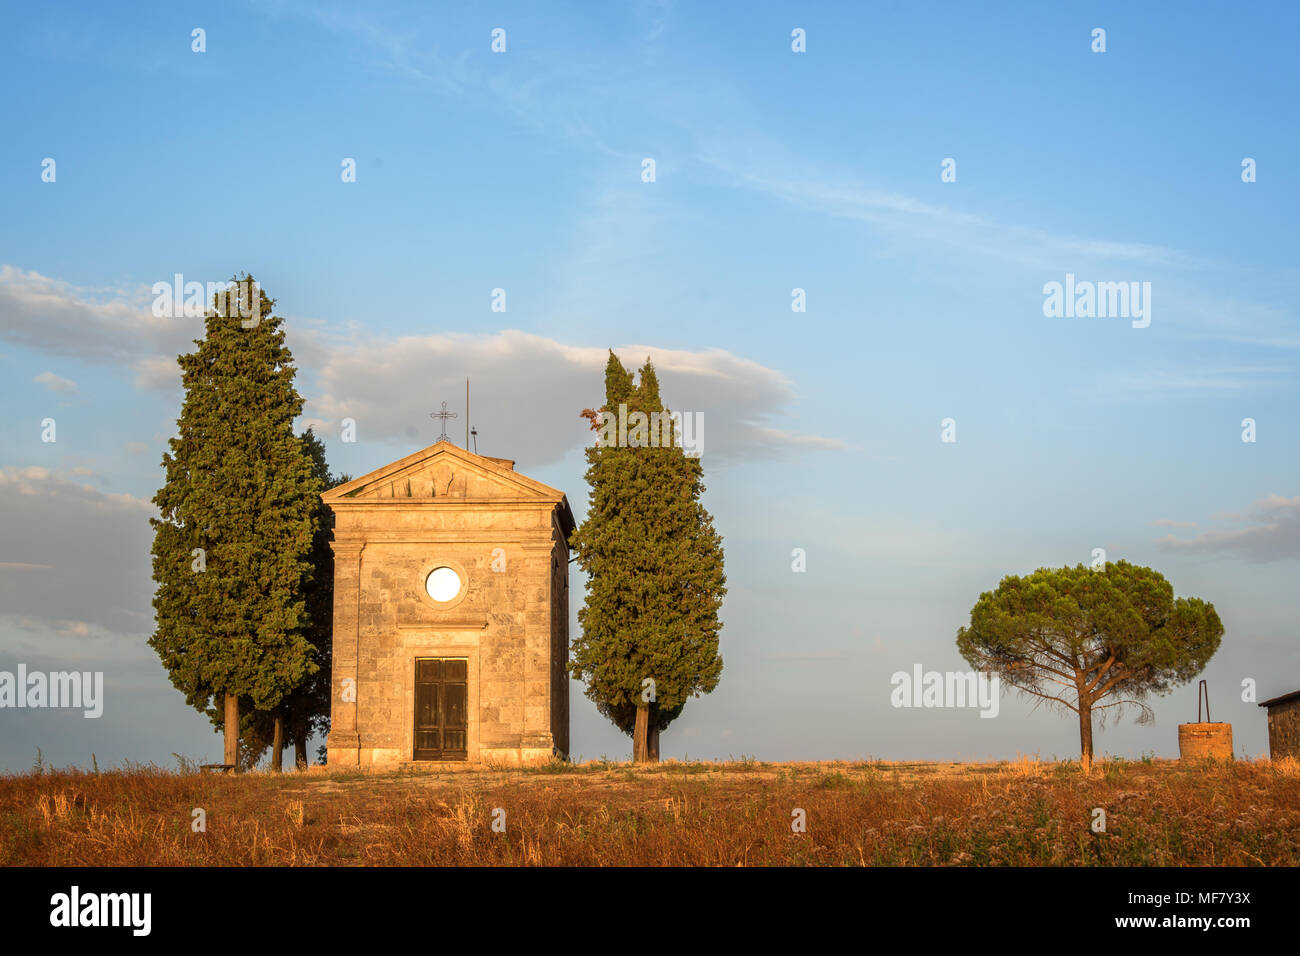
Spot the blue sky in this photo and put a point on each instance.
(775, 170)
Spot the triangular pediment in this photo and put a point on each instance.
(443, 471)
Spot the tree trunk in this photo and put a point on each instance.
(1085, 735)
(300, 752)
(277, 745)
(652, 743)
(231, 722)
(640, 735)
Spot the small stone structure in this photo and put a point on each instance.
(1196, 741)
(451, 613)
(1204, 738)
(1283, 725)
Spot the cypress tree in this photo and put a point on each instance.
(305, 711)
(232, 545)
(649, 623)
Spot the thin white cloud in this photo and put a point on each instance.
(780, 436)
(1192, 380)
(1271, 534)
(1020, 244)
(55, 383)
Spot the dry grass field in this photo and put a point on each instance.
(1025, 813)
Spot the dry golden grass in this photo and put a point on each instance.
(1026, 812)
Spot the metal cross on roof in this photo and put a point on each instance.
(444, 415)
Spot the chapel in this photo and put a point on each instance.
(451, 614)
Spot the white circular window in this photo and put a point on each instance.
(443, 584)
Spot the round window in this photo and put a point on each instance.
(443, 584)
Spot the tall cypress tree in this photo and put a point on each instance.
(649, 624)
(232, 546)
(305, 711)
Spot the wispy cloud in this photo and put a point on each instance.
(588, 100)
(1169, 382)
(1271, 534)
(55, 383)
(824, 194)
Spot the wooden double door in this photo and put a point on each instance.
(441, 708)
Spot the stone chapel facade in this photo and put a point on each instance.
(451, 613)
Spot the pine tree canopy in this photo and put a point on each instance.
(1089, 640)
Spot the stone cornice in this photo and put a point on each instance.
(461, 624)
(348, 547)
(532, 540)
(449, 503)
